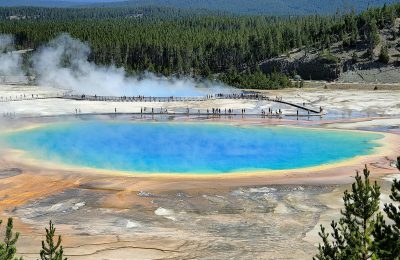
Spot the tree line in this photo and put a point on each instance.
(143, 12)
(212, 46)
(260, 7)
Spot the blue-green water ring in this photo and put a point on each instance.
(189, 148)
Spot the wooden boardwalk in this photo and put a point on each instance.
(257, 97)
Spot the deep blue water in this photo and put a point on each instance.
(189, 147)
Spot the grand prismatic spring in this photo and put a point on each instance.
(185, 148)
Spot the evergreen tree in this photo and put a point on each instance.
(351, 236)
(398, 31)
(8, 248)
(373, 33)
(373, 36)
(387, 236)
(398, 163)
(384, 55)
(50, 249)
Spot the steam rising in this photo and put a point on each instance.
(63, 63)
(10, 61)
(6, 41)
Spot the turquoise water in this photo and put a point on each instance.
(198, 148)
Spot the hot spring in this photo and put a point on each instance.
(188, 148)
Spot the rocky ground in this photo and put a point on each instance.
(343, 64)
(243, 223)
(383, 75)
(100, 219)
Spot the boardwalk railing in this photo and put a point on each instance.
(133, 98)
(255, 96)
(29, 97)
(259, 97)
(299, 106)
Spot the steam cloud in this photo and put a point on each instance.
(6, 41)
(63, 63)
(10, 61)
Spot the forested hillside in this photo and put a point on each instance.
(57, 14)
(247, 7)
(44, 3)
(51, 3)
(264, 7)
(229, 47)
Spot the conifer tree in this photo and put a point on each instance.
(52, 250)
(384, 55)
(387, 236)
(8, 248)
(351, 237)
(373, 36)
